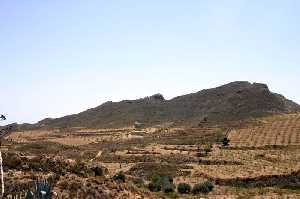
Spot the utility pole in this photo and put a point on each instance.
(3, 132)
(1, 163)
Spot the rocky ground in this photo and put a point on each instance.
(83, 163)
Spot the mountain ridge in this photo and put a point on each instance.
(234, 101)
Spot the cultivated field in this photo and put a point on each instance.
(281, 130)
(262, 160)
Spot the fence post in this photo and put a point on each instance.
(2, 176)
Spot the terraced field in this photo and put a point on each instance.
(280, 130)
(262, 161)
(249, 163)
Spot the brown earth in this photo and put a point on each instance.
(230, 102)
(245, 169)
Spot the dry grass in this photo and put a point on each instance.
(253, 163)
(277, 130)
(124, 149)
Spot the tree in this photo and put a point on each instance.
(3, 117)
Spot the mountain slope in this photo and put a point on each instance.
(233, 101)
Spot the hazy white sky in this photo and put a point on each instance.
(61, 57)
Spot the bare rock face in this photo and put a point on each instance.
(157, 97)
(234, 101)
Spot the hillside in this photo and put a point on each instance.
(233, 101)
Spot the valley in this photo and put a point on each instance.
(262, 158)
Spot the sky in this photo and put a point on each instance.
(59, 57)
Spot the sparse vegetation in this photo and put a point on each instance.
(120, 176)
(183, 109)
(155, 184)
(161, 153)
(78, 168)
(164, 183)
(225, 142)
(207, 148)
(204, 188)
(167, 184)
(184, 188)
(274, 131)
(139, 182)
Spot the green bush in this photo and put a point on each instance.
(164, 183)
(155, 184)
(120, 176)
(139, 182)
(205, 188)
(167, 184)
(209, 185)
(78, 168)
(153, 187)
(225, 142)
(169, 178)
(199, 188)
(184, 188)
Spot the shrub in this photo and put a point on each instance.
(184, 188)
(169, 178)
(155, 184)
(78, 168)
(208, 148)
(120, 176)
(167, 184)
(12, 160)
(209, 185)
(154, 187)
(164, 183)
(139, 182)
(98, 171)
(205, 188)
(199, 188)
(225, 142)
